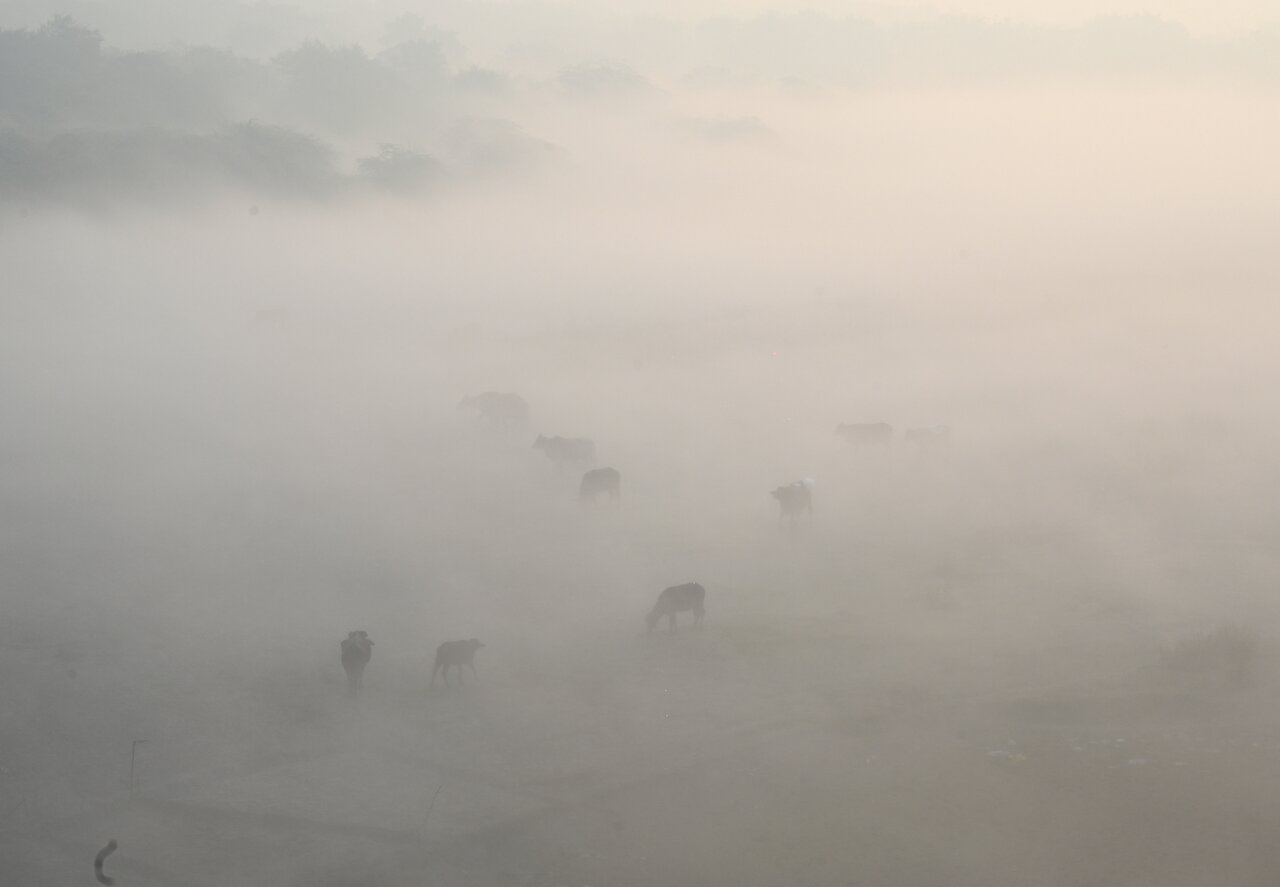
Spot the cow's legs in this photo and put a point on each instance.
(472, 666)
(672, 617)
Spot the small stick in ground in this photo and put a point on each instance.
(432, 805)
(133, 758)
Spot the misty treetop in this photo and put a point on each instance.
(82, 123)
(294, 103)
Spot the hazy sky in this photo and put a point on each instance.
(1221, 16)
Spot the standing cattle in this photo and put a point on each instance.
(794, 500)
(874, 434)
(678, 599)
(455, 654)
(567, 450)
(934, 438)
(357, 650)
(600, 480)
(505, 412)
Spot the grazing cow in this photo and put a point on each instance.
(678, 599)
(600, 480)
(455, 654)
(567, 450)
(357, 650)
(875, 434)
(505, 412)
(794, 499)
(933, 438)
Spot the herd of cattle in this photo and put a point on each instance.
(510, 413)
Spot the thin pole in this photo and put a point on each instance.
(133, 759)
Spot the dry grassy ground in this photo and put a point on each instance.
(911, 737)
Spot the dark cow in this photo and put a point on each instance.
(357, 650)
(874, 434)
(678, 599)
(794, 500)
(600, 480)
(567, 450)
(933, 438)
(455, 654)
(506, 412)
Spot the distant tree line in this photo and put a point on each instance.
(80, 122)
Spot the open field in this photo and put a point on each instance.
(246, 286)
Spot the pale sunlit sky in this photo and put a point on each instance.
(1219, 17)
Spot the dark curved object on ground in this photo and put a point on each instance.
(100, 859)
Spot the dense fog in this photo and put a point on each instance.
(254, 258)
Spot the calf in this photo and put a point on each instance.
(678, 599)
(507, 412)
(600, 480)
(455, 654)
(357, 650)
(793, 500)
(875, 434)
(567, 450)
(933, 438)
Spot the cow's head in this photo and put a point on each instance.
(474, 644)
(540, 443)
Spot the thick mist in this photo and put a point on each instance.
(255, 257)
